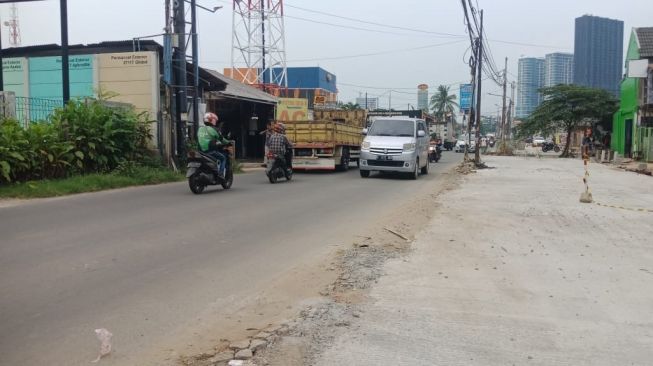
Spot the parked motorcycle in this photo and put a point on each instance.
(435, 152)
(277, 168)
(550, 145)
(202, 171)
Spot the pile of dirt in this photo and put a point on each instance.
(468, 167)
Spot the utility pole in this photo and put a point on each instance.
(263, 41)
(504, 113)
(65, 68)
(479, 79)
(179, 71)
(2, 82)
(390, 101)
(510, 114)
(196, 70)
(470, 115)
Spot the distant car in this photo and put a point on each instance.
(460, 146)
(538, 140)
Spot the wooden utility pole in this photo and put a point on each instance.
(504, 113)
(479, 81)
(510, 114)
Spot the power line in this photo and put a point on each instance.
(443, 34)
(361, 54)
(425, 32)
(378, 53)
(347, 26)
(394, 88)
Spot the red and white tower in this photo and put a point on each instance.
(14, 27)
(258, 43)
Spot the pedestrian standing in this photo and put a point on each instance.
(268, 132)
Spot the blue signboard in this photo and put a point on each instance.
(465, 97)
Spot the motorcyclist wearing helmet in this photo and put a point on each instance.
(279, 145)
(211, 140)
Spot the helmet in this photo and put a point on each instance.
(210, 117)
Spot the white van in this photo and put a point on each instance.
(395, 144)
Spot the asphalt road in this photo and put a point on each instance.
(143, 261)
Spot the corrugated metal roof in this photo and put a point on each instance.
(77, 49)
(645, 38)
(236, 89)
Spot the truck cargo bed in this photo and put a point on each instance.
(324, 145)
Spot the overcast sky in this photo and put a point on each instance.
(548, 26)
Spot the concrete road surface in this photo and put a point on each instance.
(153, 263)
(514, 270)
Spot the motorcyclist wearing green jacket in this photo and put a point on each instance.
(211, 140)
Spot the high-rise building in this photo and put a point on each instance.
(558, 69)
(598, 52)
(368, 103)
(529, 80)
(423, 97)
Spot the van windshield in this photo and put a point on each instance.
(394, 127)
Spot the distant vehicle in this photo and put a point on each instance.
(460, 146)
(435, 152)
(538, 140)
(394, 144)
(550, 145)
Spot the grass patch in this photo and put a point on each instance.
(136, 176)
(236, 166)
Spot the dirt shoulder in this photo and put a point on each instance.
(302, 339)
(510, 269)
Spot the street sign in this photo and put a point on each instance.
(465, 97)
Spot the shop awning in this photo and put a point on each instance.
(237, 90)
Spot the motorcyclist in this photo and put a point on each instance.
(211, 141)
(279, 145)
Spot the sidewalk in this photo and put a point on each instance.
(250, 166)
(513, 270)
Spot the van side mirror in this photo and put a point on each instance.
(364, 132)
(421, 134)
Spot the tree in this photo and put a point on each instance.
(568, 107)
(349, 106)
(443, 104)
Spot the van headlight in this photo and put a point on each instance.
(365, 145)
(409, 147)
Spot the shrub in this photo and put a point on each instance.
(15, 152)
(82, 137)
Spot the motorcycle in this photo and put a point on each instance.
(435, 152)
(202, 170)
(550, 145)
(277, 168)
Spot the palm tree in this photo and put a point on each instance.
(443, 103)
